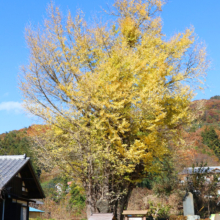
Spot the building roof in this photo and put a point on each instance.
(12, 165)
(102, 216)
(37, 202)
(31, 209)
(134, 212)
(191, 170)
(9, 166)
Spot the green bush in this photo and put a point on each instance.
(159, 211)
(77, 199)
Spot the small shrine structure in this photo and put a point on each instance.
(135, 214)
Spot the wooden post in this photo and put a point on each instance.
(3, 210)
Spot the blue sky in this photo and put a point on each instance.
(15, 15)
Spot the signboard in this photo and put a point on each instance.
(133, 218)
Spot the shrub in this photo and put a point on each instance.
(159, 211)
(77, 199)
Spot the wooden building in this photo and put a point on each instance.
(18, 186)
(35, 213)
(135, 214)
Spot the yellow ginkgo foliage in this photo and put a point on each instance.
(115, 95)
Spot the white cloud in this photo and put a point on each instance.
(11, 106)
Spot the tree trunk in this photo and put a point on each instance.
(117, 207)
(122, 204)
(89, 210)
(90, 204)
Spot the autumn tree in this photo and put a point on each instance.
(115, 95)
(210, 138)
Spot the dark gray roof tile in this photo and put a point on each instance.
(9, 167)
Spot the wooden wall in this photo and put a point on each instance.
(34, 214)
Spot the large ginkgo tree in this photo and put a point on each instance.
(115, 95)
